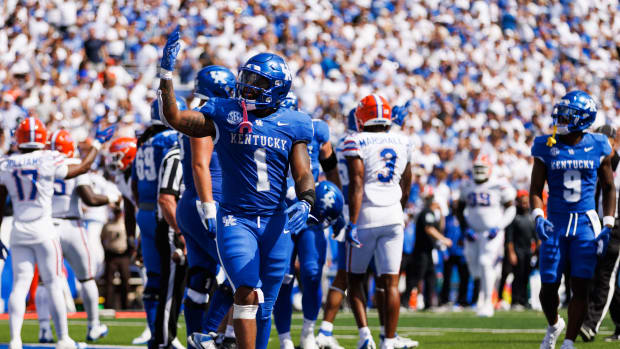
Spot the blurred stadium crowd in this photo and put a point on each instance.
(481, 76)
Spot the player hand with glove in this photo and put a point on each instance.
(169, 57)
(298, 214)
(492, 233)
(602, 240)
(338, 227)
(208, 214)
(470, 235)
(350, 235)
(544, 228)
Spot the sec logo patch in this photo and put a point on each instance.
(234, 117)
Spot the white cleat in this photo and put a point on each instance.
(176, 344)
(325, 341)
(308, 341)
(404, 342)
(96, 332)
(202, 341)
(287, 344)
(366, 343)
(485, 311)
(142, 338)
(568, 345)
(15, 344)
(553, 332)
(70, 344)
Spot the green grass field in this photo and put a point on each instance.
(433, 330)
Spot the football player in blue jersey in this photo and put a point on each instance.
(257, 142)
(571, 235)
(310, 244)
(153, 144)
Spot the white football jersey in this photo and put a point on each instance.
(385, 157)
(123, 183)
(29, 179)
(484, 203)
(66, 201)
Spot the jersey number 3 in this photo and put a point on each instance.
(572, 183)
(18, 176)
(389, 156)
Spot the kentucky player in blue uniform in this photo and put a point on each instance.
(310, 244)
(571, 235)
(257, 143)
(196, 212)
(153, 145)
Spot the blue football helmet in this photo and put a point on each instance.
(352, 121)
(329, 202)
(290, 102)
(214, 81)
(263, 81)
(576, 111)
(155, 119)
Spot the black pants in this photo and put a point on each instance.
(521, 273)
(172, 288)
(603, 284)
(423, 268)
(461, 265)
(116, 263)
(506, 270)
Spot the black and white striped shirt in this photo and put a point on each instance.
(171, 173)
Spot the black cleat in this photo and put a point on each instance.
(587, 334)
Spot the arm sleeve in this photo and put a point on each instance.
(83, 180)
(304, 130)
(605, 146)
(170, 176)
(351, 147)
(539, 149)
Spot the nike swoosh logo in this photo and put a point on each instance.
(281, 123)
(285, 231)
(587, 149)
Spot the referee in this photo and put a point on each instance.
(604, 293)
(171, 246)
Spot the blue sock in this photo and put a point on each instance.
(150, 307)
(263, 330)
(311, 299)
(218, 308)
(283, 308)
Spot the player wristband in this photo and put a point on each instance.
(537, 212)
(209, 209)
(165, 74)
(609, 221)
(308, 196)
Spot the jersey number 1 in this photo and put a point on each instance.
(18, 174)
(260, 158)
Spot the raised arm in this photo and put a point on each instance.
(75, 170)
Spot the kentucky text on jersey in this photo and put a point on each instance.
(572, 164)
(258, 140)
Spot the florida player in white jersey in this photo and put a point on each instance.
(485, 209)
(76, 247)
(379, 184)
(28, 177)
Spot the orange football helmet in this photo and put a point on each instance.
(121, 154)
(482, 168)
(373, 110)
(31, 134)
(61, 140)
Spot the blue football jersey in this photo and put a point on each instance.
(343, 170)
(214, 167)
(148, 160)
(321, 136)
(572, 171)
(255, 165)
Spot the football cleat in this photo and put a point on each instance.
(287, 343)
(553, 332)
(176, 344)
(326, 340)
(229, 343)
(399, 343)
(308, 341)
(45, 335)
(587, 334)
(568, 345)
(15, 344)
(96, 332)
(613, 338)
(486, 311)
(200, 340)
(70, 344)
(366, 343)
(142, 338)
